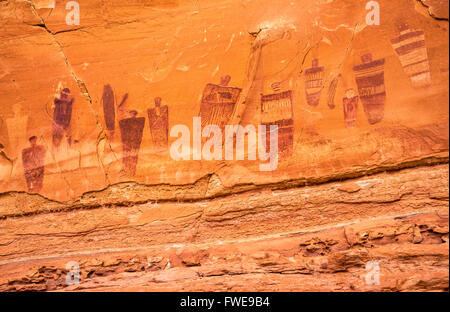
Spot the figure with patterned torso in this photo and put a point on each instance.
(33, 159)
(159, 124)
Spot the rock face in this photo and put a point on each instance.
(92, 175)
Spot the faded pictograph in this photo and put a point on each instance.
(372, 91)
(131, 130)
(109, 110)
(6, 164)
(62, 116)
(412, 52)
(159, 125)
(350, 105)
(33, 159)
(17, 127)
(314, 83)
(277, 110)
(218, 103)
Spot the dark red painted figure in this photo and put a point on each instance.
(412, 51)
(159, 124)
(62, 116)
(33, 159)
(218, 103)
(372, 91)
(131, 130)
(109, 109)
(350, 103)
(277, 109)
(314, 83)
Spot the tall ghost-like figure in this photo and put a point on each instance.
(131, 130)
(218, 103)
(159, 125)
(109, 110)
(62, 116)
(33, 159)
(412, 52)
(277, 109)
(314, 83)
(17, 127)
(350, 104)
(371, 87)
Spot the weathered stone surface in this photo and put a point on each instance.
(318, 234)
(290, 265)
(363, 168)
(173, 49)
(437, 8)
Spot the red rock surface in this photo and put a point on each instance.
(362, 175)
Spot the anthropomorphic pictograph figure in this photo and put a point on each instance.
(159, 125)
(371, 87)
(277, 109)
(412, 52)
(33, 159)
(131, 130)
(218, 103)
(314, 83)
(62, 116)
(350, 104)
(109, 110)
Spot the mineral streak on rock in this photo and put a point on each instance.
(86, 175)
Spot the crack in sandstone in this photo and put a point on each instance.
(44, 26)
(80, 83)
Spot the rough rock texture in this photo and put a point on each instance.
(312, 238)
(86, 174)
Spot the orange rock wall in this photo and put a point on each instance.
(364, 138)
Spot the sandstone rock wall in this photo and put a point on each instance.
(86, 172)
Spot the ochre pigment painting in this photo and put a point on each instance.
(224, 140)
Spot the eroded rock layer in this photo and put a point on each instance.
(89, 119)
